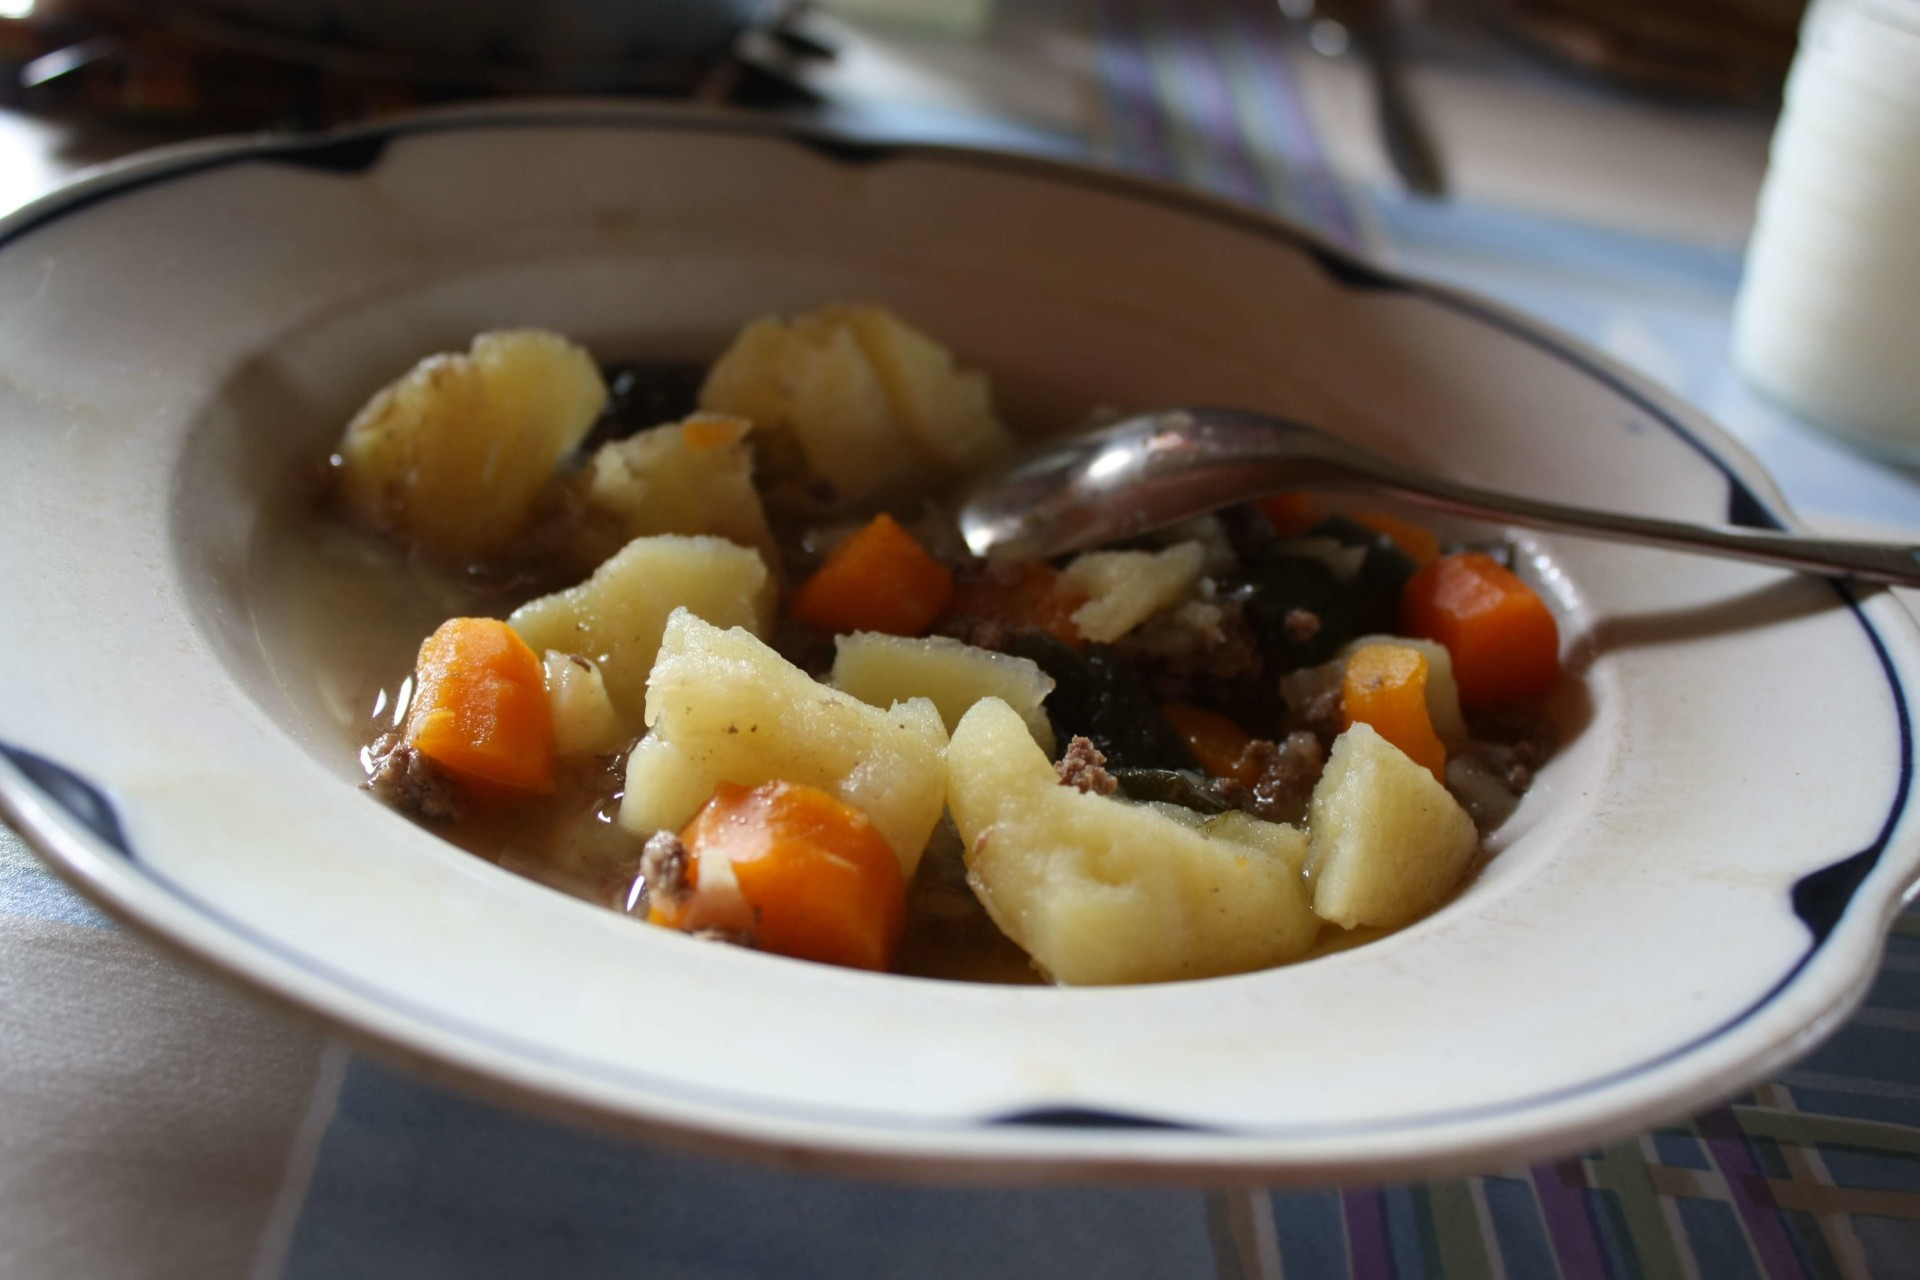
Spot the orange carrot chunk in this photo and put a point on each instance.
(1216, 741)
(820, 882)
(1502, 637)
(1385, 686)
(1290, 514)
(1416, 540)
(1025, 597)
(879, 579)
(479, 706)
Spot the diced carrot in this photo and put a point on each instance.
(879, 579)
(479, 706)
(1290, 514)
(821, 883)
(1385, 686)
(1216, 741)
(1502, 637)
(1026, 597)
(1418, 541)
(704, 431)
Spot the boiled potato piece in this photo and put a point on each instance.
(1443, 695)
(837, 408)
(1389, 843)
(810, 381)
(746, 381)
(1100, 891)
(949, 413)
(873, 404)
(1125, 588)
(881, 670)
(687, 477)
(616, 617)
(454, 453)
(1289, 844)
(723, 707)
(584, 721)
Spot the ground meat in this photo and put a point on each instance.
(982, 633)
(811, 651)
(1512, 745)
(1195, 651)
(1320, 715)
(1301, 625)
(1297, 763)
(1234, 652)
(1284, 774)
(1084, 767)
(1512, 763)
(663, 869)
(411, 782)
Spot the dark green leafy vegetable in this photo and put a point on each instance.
(1183, 787)
(1282, 582)
(1383, 574)
(1279, 589)
(642, 394)
(1106, 702)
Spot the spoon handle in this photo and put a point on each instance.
(1873, 561)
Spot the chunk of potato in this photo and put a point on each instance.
(685, 477)
(1388, 842)
(584, 721)
(454, 453)
(1125, 588)
(811, 383)
(1097, 890)
(882, 670)
(949, 413)
(746, 381)
(837, 408)
(873, 404)
(723, 707)
(1443, 695)
(617, 616)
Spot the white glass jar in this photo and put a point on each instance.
(1828, 319)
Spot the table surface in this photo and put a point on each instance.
(154, 1123)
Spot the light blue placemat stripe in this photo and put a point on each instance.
(414, 1181)
(27, 888)
(1312, 1233)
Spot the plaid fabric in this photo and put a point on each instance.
(1199, 91)
(1815, 1174)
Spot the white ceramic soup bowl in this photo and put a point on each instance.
(1694, 891)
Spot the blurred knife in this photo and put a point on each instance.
(1372, 27)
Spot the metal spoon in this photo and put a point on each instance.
(1158, 469)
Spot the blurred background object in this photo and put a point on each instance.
(1828, 317)
(1736, 50)
(1372, 29)
(950, 17)
(308, 63)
